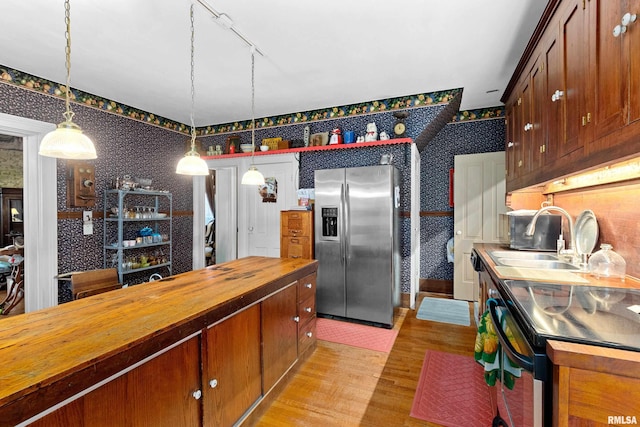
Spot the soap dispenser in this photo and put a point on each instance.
(605, 263)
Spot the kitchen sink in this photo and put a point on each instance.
(537, 263)
(522, 259)
(523, 255)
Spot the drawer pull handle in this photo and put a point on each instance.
(308, 285)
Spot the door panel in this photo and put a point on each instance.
(370, 240)
(329, 186)
(264, 217)
(479, 200)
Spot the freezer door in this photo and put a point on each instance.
(371, 243)
(329, 249)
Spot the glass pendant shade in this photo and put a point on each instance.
(252, 177)
(192, 164)
(67, 142)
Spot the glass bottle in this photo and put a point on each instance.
(607, 264)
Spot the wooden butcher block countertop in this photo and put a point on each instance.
(49, 355)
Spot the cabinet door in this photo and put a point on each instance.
(610, 72)
(523, 152)
(509, 147)
(279, 335)
(575, 52)
(552, 101)
(632, 39)
(156, 393)
(231, 375)
(538, 129)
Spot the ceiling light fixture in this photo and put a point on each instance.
(224, 20)
(67, 141)
(191, 163)
(253, 175)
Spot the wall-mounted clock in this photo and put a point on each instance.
(400, 128)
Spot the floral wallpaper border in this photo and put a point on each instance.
(47, 87)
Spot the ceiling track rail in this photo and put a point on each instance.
(217, 15)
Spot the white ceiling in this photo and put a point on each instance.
(317, 54)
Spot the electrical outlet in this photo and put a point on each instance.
(87, 222)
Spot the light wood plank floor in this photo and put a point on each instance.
(345, 386)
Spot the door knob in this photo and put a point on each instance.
(459, 232)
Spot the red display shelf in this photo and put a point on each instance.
(317, 148)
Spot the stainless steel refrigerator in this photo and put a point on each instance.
(356, 243)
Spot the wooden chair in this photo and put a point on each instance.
(94, 282)
(15, 287)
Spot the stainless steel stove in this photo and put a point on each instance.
(590, 315)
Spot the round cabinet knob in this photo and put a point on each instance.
(308, 285)
(619, 29)
(510, 144)
(197, 394)
(557, 95)
(628, 18)
(213, 383)
(296, 319)
(307, 309)
(459, 232)
(309, 334)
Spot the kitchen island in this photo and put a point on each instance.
(201, 348)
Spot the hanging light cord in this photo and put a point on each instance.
(68, 114)
(193, 92)
(253, 103)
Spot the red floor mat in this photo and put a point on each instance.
(452, 392)
(356, 335)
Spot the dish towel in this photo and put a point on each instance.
(487, 353)
(450, 254)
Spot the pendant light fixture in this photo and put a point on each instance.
(253, 175)
(67, 141)
(191, 163)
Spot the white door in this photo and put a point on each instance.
(479, 199)
(263, 226)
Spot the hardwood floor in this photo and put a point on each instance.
(341, 385)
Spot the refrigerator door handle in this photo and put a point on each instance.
(341, 226)
(347, 225)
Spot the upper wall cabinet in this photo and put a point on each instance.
(574, 102)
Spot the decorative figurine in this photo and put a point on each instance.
(372, 132)
(384, 136)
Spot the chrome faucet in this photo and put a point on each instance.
(531, 228)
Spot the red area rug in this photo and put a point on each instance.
(356, 335)
(452, 392)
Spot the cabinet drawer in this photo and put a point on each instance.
(307, 288)
(294, 223)
(295, 247)
(306, 335)
(306, 310)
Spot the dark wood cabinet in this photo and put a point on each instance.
(159, 392)
(279, 334)
(574, 102)
(306, 313)
(231, 377)
(11, 215)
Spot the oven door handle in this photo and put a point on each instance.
(524, 361)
